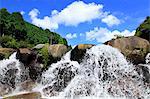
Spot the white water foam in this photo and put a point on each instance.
(104, 74)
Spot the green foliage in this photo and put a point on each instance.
(8, 41)
(45, 55)
(14, 26)
(143, 30)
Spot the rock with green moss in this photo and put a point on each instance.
(52, 53)
(6, 52)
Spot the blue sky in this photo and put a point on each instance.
(83, 21)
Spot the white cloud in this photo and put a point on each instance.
(74, 14)
(71, 36)
(111, 20)
(46, 22)
(103, 34)
(78, 12)
(34, 13)
(22, 12)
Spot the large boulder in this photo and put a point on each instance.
(30, 60)
(6, 52)
(24, 55)
(77, 54)
(134, 48)
(57, 50)
(52, 53)
(30, 95)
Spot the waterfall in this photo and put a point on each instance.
(104, 73)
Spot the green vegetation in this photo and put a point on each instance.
(45, 55)
(143, 30)
(16, 33)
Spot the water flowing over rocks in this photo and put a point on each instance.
(134, 48)
(103, 72)
(30, 60)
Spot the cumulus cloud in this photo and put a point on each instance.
(22, 12)
(111, 20)
(71, 36)
(103, 34)
(46, 22)
(74, 14)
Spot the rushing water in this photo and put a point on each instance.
(104, 74)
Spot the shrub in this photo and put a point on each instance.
(45, 55)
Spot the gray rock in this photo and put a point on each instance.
(39, 46)
(77, 54)
(134, 48)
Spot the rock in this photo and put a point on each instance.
(134, 48)
(77, 54)
(143, 69)
(57, 50)
(52, 53)
(29, 59)
(39, 46)
(9, 74)
(27, 85)
(30, 95)
(64, 72)
(23, 54)
(6, 52)
(5, 89)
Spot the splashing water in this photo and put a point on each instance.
(104, 73)
(12, 72)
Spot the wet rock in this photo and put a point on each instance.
(77, 54)
(27, 85)
(9, 75)
(64, 73)
(4, 90)
(134, 48)
(24, 55)
(29, 59)
(143, 69)
(31, 95)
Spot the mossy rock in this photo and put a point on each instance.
(6, 52)
(49, 54)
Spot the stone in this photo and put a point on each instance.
(39, 46)
(134, 48)
(29, 95)
(77, 54)
(6, 52)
